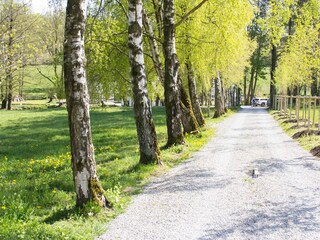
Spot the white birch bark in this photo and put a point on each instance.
(171, 83)
(86, 182)
(219, 109)
(153, 47)
(149, 150)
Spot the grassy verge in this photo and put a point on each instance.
(308, 142)
(37, 199)
(35, 85)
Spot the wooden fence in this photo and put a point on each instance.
(305, 110)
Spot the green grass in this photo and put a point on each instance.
(307, 142)
(35, 104)
(37, 200)
(37, 87)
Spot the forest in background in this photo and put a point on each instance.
(254, 45)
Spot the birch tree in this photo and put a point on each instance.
(86, 182)
(149, 150)
(171, 83)
(15, 46)
(51, 35)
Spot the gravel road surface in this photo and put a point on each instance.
(213, 195)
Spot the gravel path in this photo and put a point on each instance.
(213, 196)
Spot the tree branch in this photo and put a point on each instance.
(112, 44)
(123, 8)
(46, 77)
(185, 17)
(121, 75)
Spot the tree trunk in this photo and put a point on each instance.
(274, 59)
(203, 98)
(193, 95)
(158, 10)
(255, 84)
(171, 83)
(154, 47)
(245, 88)
(305, 90)
(9, 76)
(238, 96)
(4, 104)
(10, 91)
(149, 150)
(189, 121)
(224, 96)
(21, 81)
(219, 105)
(314, 85)
(3, 94)
(250, 92)
(86, 182)
(233, 96)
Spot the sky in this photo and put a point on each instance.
(39, 6)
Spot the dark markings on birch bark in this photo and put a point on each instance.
(219, 101)
(194, 96)
(154, 48)
(149, 150)
(189, 121)
(86, 182)
(171, 84)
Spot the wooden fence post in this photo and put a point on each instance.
(286, 105)
(319, 116)
(290, 106)
(304, 112)
(309, 112)
(298, 110)
(296, 107)
(274, 104)
(314, 112)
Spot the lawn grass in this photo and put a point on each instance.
(37, 200)
(308, 142)
(35, 86)
(36, 104)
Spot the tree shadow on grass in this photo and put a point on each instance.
(44, 136)
(64, 214)
(47, 133)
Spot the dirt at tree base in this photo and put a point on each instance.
(290, 121)
(296, 127)
(315, 151)
(305, 133)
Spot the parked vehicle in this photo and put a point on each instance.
(263, 102)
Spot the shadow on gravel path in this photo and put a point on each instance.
(282, 218)
(213, 195)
